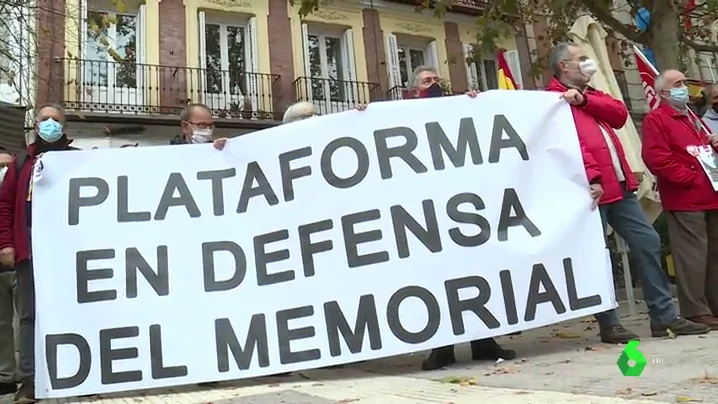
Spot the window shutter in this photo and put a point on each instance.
(512, 59)
(141, 34)
(349, 66)
(83, 34)
(252, 65)
(201, 29)
(392, 61)
(306, 87)
(433, 54)
(472, 75)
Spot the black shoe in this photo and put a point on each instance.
(7, 388)
(489, 349)
(26, 393)
(616, 334)
(679, 326)
(439, 358)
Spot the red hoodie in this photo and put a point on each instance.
(601, 109)
(14, 201)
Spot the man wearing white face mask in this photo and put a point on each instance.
(197, 127)
(680, 153)
(597, 115)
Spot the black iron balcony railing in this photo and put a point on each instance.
(459, 6)
(331, 95)
(136, 88)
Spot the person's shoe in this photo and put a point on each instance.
(679, 326)
(7, 388)
(616, 334)
(26, 393)
(489, 349)
(710, 321)
(439, 358)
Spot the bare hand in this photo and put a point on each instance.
(361, 107)
(7, 257)
(714, 139)
(573, 97)
(473, 93)
(596, 191)
(220, 143)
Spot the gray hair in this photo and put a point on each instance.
(300, 110)
(187, 111)
(561, 52)
(57, 107)
(660, 83)
(414, 83)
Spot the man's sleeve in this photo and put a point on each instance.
(7, 206)
(658, 156)
(605, 108)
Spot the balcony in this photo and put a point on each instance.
(332, 96)
(142, 89)
(472, 7)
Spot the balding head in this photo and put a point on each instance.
(670, 85)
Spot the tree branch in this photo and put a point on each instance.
(699, 47)
(605, 16)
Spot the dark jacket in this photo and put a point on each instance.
(178, 140)
(15, 200)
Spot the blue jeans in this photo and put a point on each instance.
(627, 218)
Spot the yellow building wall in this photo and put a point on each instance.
(347, 18)
(256, 8)
(418, 25)
(73, 37)
(467, 34)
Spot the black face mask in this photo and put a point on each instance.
(434, 90)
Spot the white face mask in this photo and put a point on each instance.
(588, 68)
(201, 136)
(3, 171)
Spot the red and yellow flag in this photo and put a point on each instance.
(506, 80)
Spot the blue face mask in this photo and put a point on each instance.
(49, 130)
(679, 96)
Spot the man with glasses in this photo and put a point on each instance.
(612, 186)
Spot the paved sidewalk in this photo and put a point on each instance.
(559, 364)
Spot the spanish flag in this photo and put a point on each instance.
(506, 80)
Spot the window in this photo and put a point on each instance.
(330, 67)
(112, 56)
(409, 59)
(404, 55)
(228, 62)
(484, 76)
(325, 67)
(111, 49)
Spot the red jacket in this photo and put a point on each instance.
(600, 109)
(667, 138)
(13, 204)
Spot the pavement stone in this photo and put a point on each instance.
(563, 363)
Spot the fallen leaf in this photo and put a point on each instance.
(649, 394)
(671, 334)
(460, 380)
(317, 384)
(595, 348)
(348, 400)
(566, 335)
(686, 399)
(505, 371)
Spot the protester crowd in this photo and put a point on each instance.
(678, 148)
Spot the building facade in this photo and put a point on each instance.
(248, 60)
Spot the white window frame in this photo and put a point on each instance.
(347, 79)
(426, 45)
(125, 96)
(224, 100)
(473, 74)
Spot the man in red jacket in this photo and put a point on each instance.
(15, 232)
(597, 116)
(682, 157)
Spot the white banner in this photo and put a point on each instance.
(408, 226)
